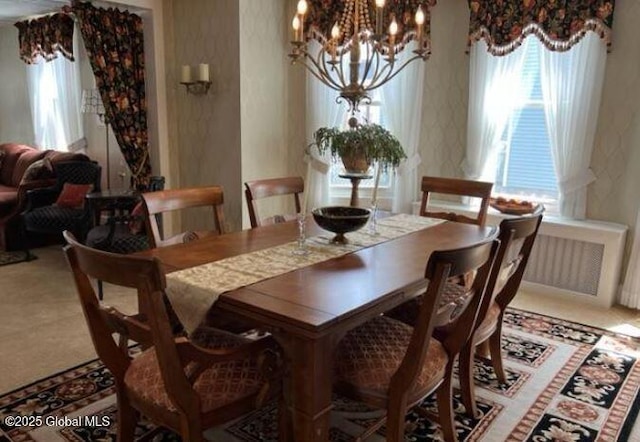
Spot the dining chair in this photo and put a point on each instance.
(163, 201)
(259, 189)
(183, 383)
(407, 312)
(390, 365)
(517, 236)
(458, 187)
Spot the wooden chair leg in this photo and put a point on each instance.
(444, 396)
(465, 375)
(482, 349)
(495, 348)
(190, 429)
(127, 419)
(396, 415)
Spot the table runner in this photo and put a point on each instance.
(193, 291)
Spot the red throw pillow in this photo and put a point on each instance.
(137, 221)
(72, 195)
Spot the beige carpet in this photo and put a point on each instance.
(42, 330)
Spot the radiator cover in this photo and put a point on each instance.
(567, 264)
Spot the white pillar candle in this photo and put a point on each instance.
(374, 196)
(203, 72)
(307, 185)
(185, 76)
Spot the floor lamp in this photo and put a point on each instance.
(92, 104)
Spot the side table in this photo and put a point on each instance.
(112, 200)
(355, 179)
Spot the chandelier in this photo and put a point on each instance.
(360, 53)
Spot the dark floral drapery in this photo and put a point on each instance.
(324, 13)
(45, 37)
(115, 47)
(559, 24)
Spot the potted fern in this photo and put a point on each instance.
(360, 146)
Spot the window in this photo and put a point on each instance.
(54, 95)
(532, 120)
(525, 164)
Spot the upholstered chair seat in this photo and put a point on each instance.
(371, 354)
(117, 238)
(220, 384)
(490, 320)
(48, 218)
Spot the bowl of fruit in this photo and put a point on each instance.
(512, 206)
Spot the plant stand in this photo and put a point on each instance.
(355, 179)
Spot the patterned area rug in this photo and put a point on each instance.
(15, 257)
(566, 382)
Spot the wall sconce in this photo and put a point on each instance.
(199, 85)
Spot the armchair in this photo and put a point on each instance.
(45, 213)
(24, 168)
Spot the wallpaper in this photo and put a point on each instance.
(263, 97)
(208, 126)
(14, 96)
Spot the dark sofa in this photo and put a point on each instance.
(23, 168)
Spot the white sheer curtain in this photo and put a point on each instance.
(322, 110)
(572, 86)
(402, 108)
(55, 99)
(630, 295)
(496, 89)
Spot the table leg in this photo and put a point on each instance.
(308, 388)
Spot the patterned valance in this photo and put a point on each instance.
(559, 24)
(324, 13)
(46, 37)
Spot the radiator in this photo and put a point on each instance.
(576, 259)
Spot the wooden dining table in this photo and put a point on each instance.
(308, 310)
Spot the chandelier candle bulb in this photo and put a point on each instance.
(419, 25)
(379, 7)
(335, 34)
(302, 7)
(296, 28)
(302, 10)
(203, 72)
(185, 76)
(393, 30)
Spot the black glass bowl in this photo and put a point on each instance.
(340, 220)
